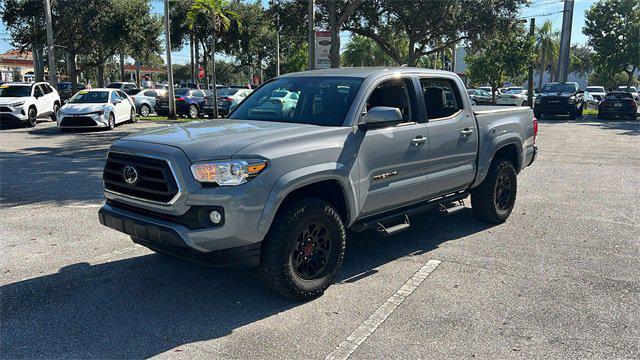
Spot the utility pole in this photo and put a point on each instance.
(278, 40)
(312, 35)
(532, 31)
(53, 77)
(191, 55)
(565, 41)
(171, 95)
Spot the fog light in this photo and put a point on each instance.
(215, 217)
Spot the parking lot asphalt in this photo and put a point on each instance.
(558, 280)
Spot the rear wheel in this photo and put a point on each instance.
(494, 199)
(56, 107)
(524, 103)
(112, 121)
(145, 110)
(193, 112)
(304, 249)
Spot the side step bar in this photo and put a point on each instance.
(400, 217)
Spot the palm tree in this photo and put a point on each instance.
(359, 51)
(547, 48)
(219, 14)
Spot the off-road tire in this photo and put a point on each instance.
(483, 198)
(276, 263)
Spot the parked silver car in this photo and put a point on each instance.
(144, 100)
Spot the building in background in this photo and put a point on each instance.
(16, 66)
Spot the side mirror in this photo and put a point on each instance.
(381, 116)
(117, 101)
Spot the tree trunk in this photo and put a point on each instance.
(334, 51)
(72, 71)
(630, 76)
(197, 60)
(122, 72)
(543, 67)
(193, 66)
(100, 73)
(494, 88)
(138, 83)
(38, 68)
(213, 74)
(411, 57)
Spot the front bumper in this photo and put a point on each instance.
(13, 114)
(174, 239)
(82, 121)
(555, 108)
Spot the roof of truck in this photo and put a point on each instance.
(364, 72)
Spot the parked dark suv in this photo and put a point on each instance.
(65, 89)
(559, 99)
(189, 102)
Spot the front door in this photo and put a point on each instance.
(392, 161)
(453, 139)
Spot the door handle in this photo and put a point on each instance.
(418, 140)
(466, 132)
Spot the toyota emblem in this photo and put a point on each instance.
(130, 175)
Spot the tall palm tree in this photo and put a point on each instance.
(547, 48)
(219, 14)
(359, 51)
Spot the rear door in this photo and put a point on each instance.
(393, 160)
(452, 135)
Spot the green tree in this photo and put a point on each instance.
(362, 51)
(502, 57)
(613, 28)
(336, 13)
(581, 59)
(547, 49)
(429, 26)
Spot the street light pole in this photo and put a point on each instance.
(53, 77)
(171, 93)
(565, 41)
(312, 36)
(532, 30)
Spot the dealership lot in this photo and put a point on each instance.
(558, 280)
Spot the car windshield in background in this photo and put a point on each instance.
(558, 88)
(14, 91)
(594, 89)
(64, 86)
(227, 92)
(91, 97)
(322, 101)
(619, 96)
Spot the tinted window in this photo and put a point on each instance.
(559, 88)
(121, 95)
(227, 92)
(129, 86)
(84, 97)
(46, 88)
(114, 86)
(619, 96)
(64, 86)
(594, 89)
(151, 93)
(182, 92)
(441, 98)
(14, 91)
(133, 91)
(322, 101)
(37, 91)
(393, 93)
(113, 97)
(197, 93)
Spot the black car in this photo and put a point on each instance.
(618, 104)
(188, 102)
(65, 89)
(559, 99)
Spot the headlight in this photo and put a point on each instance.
(99, 113)
(537, 100)
(572, 100)
(230, 172)
(20, 103)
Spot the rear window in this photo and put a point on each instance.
(133, 91)
(182, 92)
(228, 92)
(619, 96)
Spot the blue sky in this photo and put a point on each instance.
(540, 9)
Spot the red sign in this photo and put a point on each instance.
(200, 72)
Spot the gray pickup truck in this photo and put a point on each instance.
(362, 149)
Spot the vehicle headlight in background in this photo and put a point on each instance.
(572, 100)
(229, 172)
(20, 103)
(537, 100)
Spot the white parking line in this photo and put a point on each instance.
(347, 347)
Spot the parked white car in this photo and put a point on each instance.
(27, 102)
(96, 108)
(598, 92)
(514, 97)
(630, 89)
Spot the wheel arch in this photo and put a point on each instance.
(509, 149)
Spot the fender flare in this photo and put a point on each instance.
(299, 178)
(485, 162)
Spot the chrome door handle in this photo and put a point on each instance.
(466, 132)
(418, 140)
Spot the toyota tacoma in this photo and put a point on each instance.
(363, 148)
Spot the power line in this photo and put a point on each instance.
(539, 15)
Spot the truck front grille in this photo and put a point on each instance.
(154, 180)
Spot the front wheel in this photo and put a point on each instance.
(112, 121)
(494, 199)
(56, 107)
(32, 117)
(304, 249)
(132, 116)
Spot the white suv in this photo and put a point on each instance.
(26, 102)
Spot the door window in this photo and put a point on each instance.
(113, 97)
(46, 88)
(394, 93)
(197, 93)
(441, 97)
(37, 91)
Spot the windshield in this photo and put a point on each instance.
(618, 96)
(321, 101)
(15, 91)
(594, 89)
(91, 97)
(559, 88)
(515, 92)
(227, 92)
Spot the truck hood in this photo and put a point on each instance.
(218, 139)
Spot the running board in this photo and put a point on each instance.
(386, 231)
(452, 208)
(400, 216)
